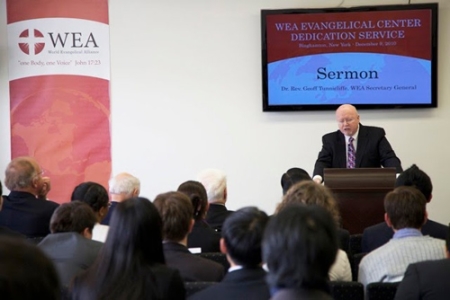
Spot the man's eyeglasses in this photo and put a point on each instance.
(348, 121)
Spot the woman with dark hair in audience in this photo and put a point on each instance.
(310, 193)
(131, 263)
(299, 246)
(202, 236)
(96, 196)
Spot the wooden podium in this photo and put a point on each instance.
(360, 194)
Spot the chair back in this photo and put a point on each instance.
(355, 259)
(193, 287)
(347, 290)
(381, 290)
(217, 257)
(355, 244)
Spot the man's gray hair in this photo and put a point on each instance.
(124, 183)
(20, 173)
(215, 183)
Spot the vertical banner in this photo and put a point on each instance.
(59, 72)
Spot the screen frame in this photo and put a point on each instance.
(433, 7)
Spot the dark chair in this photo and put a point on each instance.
(381, 290)
(347, 290)
(355, 259)
(217, 257)
(344, 239)
(194, 287)
(355, 244)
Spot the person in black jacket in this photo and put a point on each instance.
(242, 236)
(177, 212)
(371, 147)
(202, 235)
(215, 183)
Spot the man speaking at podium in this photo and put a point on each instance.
(354, 146)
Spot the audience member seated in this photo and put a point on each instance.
(293, 176)
(202, 236)
(176, 212)
(215, 183)
(405, 213)
(131, 263)
(25, 272)
(69, 245)
(96, 196)
(299, 247)
(25, 209)
(242, 235)
(121, 187)
(310, 193)
(426, 280)
(378, 235)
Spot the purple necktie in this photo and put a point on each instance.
(351, 154)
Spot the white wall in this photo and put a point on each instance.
(186, 95)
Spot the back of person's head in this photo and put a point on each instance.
(413, 176)
(74, 216)
(406, 207)
(199, 199)
(310, 193)
(293, 176)
(134, 243)
(242, 234)
(25, 272)
(177, 213)
(20, 173)
(299, 246)
(215, 183)
(125, 184)
(91, 193)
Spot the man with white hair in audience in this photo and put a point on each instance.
(122, 186)
(215, 183)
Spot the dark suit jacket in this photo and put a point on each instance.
(246, 283)
(205, 237)
(191, 267)
(301, 294)
(24, 213)
(373, 151)
(70, 252)
(379, 234)
(217, 213)
(107, 219)
(426, 280)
